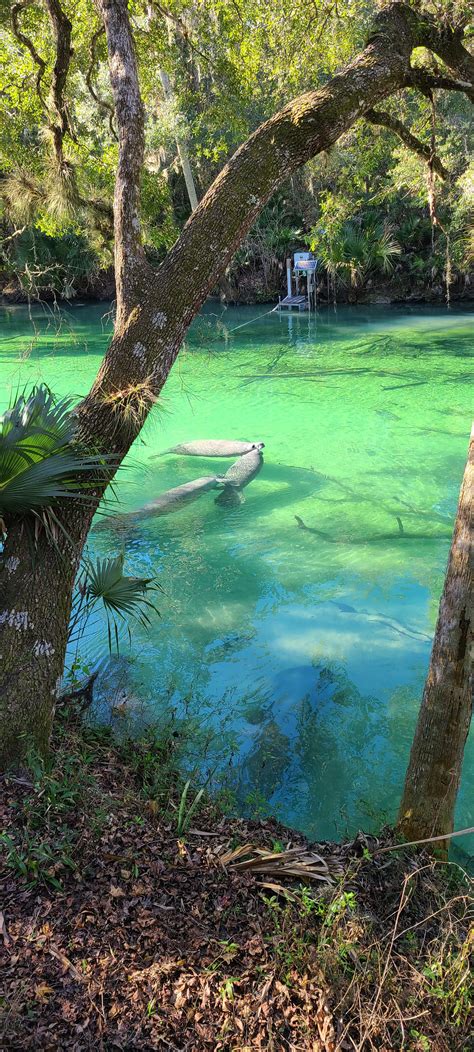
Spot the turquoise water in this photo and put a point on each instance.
(301, 653)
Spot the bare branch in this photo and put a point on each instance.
(386, 120)
(11, 237)
(427, 82)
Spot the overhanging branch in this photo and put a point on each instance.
(427, 82)
(386, 120)
(161, 304)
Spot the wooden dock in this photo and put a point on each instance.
(294, 303)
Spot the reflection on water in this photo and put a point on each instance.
(296, 627)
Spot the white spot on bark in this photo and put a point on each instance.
(252, 200)
(42, 648)
(139, 351)
(17, 619)
(159, 319)
(57, 688)
(12, 564)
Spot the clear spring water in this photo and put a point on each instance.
(300, 655)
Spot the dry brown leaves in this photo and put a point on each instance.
(156, 943)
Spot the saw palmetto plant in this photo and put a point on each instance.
(355, 252)
(40, 461)
(124, 598)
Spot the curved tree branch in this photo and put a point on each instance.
(23, 39)
(386, 120)
(103, 106)
(427, 82)
(157, 307)
(62, 30)
(447, 43)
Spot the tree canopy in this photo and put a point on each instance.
(228, 64)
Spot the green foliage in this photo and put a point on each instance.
(329, 911)
(41, 845)
(451, 983)
(49, 261)
(230, 65)
(185, 813)
(35, 860)
(354, 252)
(123, 597)
(40, 461)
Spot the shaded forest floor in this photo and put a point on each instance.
(127, 924)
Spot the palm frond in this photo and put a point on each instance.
(40, 461)
(122, 596)
(299, 862)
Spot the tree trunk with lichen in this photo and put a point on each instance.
(434, 770)
(154, 310)
(35, 605)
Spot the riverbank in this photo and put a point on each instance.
(253, 289)
(128, 921)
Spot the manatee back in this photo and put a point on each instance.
(212, 447)
(244, 470)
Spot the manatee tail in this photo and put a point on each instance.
(230, 497)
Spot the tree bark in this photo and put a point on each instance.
(434, 770)
(35, 605)
(154, 310)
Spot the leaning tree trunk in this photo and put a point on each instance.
(154, 310)
(434, 770)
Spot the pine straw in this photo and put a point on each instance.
(155, 943)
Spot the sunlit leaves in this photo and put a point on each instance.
(40, 461)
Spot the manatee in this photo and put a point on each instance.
(171, 500)
(214, 447)
(240, 473)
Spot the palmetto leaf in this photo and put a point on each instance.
(123, 597)
(358, 251)
(40, 462)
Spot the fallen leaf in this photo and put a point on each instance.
(139, 888)
(116, 893)
(3, 930)
(43, 992)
